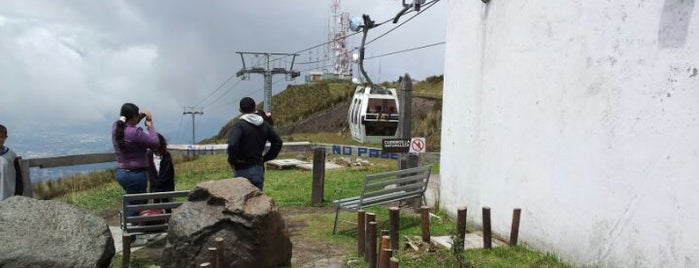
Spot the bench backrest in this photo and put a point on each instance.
(161, 219)
(399, 183)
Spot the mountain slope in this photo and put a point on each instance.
(322, 107)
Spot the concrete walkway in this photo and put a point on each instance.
(118, 247)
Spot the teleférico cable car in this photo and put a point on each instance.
(373, 114)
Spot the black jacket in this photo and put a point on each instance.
(164, 180)
(247, 139)
(19, 180)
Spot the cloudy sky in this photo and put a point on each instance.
(67, 66)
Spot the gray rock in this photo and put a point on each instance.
(253, 230)
(47, 233)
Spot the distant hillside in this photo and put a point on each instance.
(322, 107)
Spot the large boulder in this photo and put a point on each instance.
(47, 233)
(253, 230)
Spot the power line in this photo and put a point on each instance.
(230, 89)
(426, 6)
(217, 89)
(406, 50)
(430, 4)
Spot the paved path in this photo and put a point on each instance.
(116, 235)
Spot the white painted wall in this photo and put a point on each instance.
(586, 115)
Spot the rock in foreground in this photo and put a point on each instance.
(253, 230)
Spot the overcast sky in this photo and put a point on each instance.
(68, 66)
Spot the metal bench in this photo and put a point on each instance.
(387, 187)
(138, 225)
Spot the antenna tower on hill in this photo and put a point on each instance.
(337, 45)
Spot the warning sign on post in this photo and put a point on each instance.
(413, 145)
(418, 145)
(395, 145)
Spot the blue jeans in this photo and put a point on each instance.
(133, 182)
(255, 174)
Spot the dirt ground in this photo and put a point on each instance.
(307, 253)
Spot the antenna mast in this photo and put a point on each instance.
(337, 44)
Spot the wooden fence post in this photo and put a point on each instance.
(26, 177)
(212, 257)
(425, 212)
(318, 176)
(514, 233)
(219, 252)
(125, 250)
(394, 215)
(361, 232)
(487, 233)
(383, 255)
(370, 217)
(371, 237)
(461, 224)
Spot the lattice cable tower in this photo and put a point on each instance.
(337, 45)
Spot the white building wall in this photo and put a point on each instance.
(585, 114)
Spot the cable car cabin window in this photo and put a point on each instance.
(381, 110)
(352, 113)
(355, 117)
(380, 128)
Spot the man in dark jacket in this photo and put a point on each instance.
(246, 144)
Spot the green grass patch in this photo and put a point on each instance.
(292, 188)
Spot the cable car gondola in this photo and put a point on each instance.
(373, 113)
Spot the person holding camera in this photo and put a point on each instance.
(130, 145)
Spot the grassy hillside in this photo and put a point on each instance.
(321, 108)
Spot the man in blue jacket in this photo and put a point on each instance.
(246, 144)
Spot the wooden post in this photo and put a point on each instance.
(385, 258)
(514, 233)
(461, 224)
(370, 217)
(219, 252)
(425, 212)
(361, 232)
(125, 250)
(385, 244)
(487, 234)
(212, 256)
(26, 179)
(318, 176)
(371, 250)
(394, 262)
(394, 215)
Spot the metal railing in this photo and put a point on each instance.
(97, 158)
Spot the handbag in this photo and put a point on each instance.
(152, 212)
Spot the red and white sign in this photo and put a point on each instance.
(418, 145)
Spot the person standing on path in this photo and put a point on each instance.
(130, 145)
(10, 173)
(246, 144)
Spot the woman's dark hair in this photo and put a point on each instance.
(163, 143)
(128, 111)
